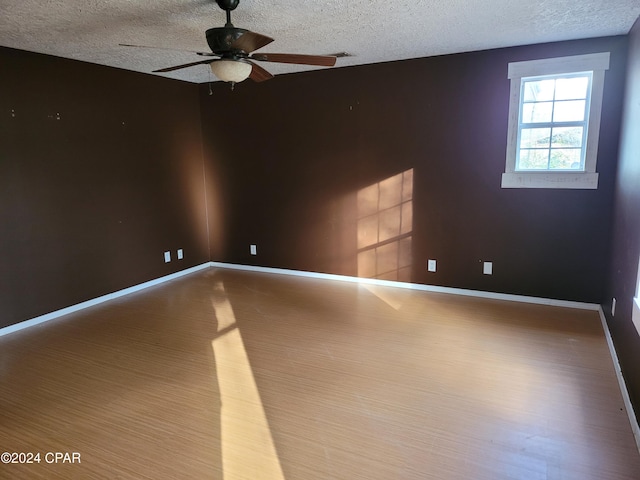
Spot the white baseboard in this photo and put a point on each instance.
(414, 286)
(95, 301)
(623, 386)
(327, 276)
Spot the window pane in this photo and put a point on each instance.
(537, 159)
(538, 91)
(569, 111)
(565, 159)
(566, 137)
(535, 137)
(571, 88)
(536, 112)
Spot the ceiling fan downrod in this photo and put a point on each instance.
(228, 6)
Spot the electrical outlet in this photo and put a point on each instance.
(253, 249)
(167, 257)
(180, 254)
(431, 265)
(613, 306)
(487, 268)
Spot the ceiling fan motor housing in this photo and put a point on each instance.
(221, 39)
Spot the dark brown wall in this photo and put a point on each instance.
(626, 243)
(288, 157)
(89, 201)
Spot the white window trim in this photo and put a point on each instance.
(635, 313)
(587, 179)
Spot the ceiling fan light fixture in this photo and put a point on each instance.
(231, 70)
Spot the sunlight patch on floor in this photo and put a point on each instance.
(385, 294)
(248, 450)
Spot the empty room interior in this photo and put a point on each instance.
(398, 267)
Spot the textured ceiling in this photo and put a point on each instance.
(370, 30)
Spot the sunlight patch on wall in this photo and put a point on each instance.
(385, 226)
(188, 170)
(248, 450)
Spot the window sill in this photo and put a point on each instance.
(580, 180)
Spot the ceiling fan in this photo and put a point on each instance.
(232, 48)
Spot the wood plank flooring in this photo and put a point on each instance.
(231, 375)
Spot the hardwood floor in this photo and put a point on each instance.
(234, 375)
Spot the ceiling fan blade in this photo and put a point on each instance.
(320, 60)
(186, 65)
(259, 74)
(202, 54)
(250, 41)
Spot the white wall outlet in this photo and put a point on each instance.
(613, 306)
(253, 249)
(180, 254)
(167, 257)
(431, 265)
(487, 268)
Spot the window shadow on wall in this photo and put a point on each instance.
(384, 228)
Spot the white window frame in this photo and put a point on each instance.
(597, 64)
(635, 313)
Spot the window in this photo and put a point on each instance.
(554, 122)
